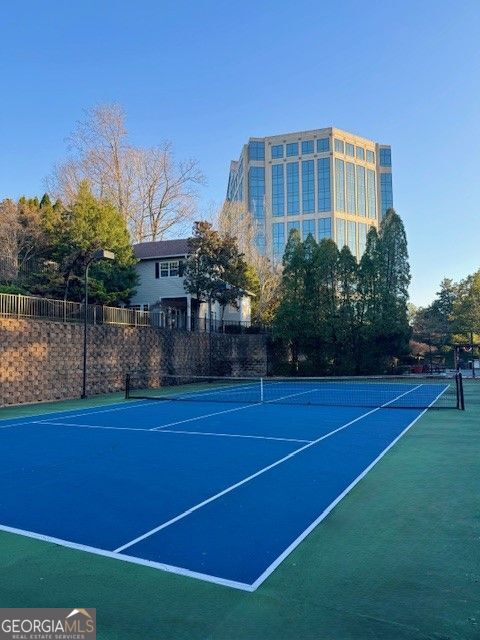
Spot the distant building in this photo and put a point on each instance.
(160, 270)
(327, 182)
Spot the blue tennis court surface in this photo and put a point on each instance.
(221, 492)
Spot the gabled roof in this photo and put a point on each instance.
(161, 249)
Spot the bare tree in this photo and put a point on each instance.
(8, 240)
(235, 220)
(151, 190)
(167, 191)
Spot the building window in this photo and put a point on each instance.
(292, 149)
(385, 157)
(370, 156)
(323, 144)
(350, 187)
(323, 177)
(277, 151)
(293, 204)
(308, 186)
(278, 190)
(352, 237)
(386, 192)
(362, 238)
(256, 192)
(340, 232)
(278, 240)
(350, 149)
(324, 228)
(339, 146)
(167, 269)
(291, 226)
(360, 153)
(307, 146)
(164, 269)
(256, 150)
(308, 228)
(371, 198)
(361, 204)
(339, 185)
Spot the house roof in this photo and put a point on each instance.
(161, 249)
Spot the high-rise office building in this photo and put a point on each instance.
(327, 182)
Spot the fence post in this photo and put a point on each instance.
(462, 397)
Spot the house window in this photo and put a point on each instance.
(164, 269)
(173, 268)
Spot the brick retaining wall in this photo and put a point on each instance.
(42, 360)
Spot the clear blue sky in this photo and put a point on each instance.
(207, 75)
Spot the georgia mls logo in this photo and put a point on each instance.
(48, 624)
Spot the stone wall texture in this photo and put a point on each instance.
(42, 360)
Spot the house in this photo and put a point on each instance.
(160, 268)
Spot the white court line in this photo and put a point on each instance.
(333, 504)
(186, 513)
(85, 412)
(195, 433)
(231, 435)
(141, 561)
(192, 574)
(217, 413)
(87, 426)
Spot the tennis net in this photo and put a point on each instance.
(402, 392)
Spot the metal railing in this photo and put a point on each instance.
(20, 306)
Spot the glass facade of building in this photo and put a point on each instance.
(308, 186)
(278, 190)
(292, 225)
(278, 240)
(386, 192)
(256, 150)
(351, 199)
(339, 185)
(323, 144)
(307, 147)
(361, 202)
(371, 194)
(292, 149)
(308, 227)
(362, 238)
(352, 236)
(385, 157)
(293, 202)
(323, 179)
(322, 182)
(324, 228)
(340, 232)
(277, 151)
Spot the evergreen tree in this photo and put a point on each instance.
(390, 328)
(290, 317)
(215, 269)
(347, 316)
(87, 225)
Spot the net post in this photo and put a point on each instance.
(127, 386)
(461, 397)
(261, 389)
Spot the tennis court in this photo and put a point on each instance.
(221, 487)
